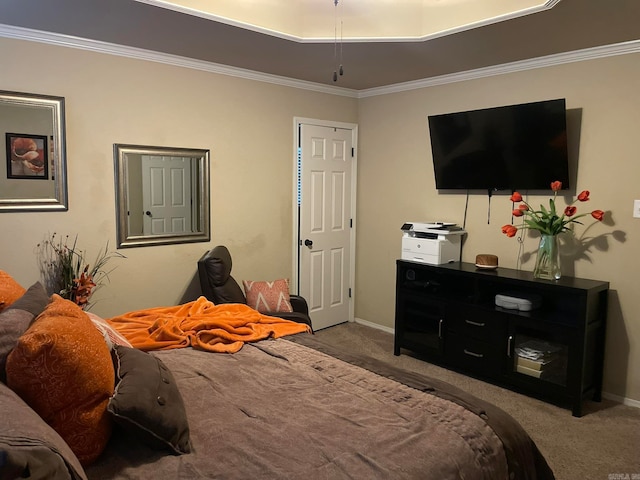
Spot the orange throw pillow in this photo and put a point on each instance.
(10, 290)
(268, 297)
(62, 368)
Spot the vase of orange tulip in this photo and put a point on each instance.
(550, 224)
(548, 259)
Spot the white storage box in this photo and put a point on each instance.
(518, 301)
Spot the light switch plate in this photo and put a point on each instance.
(636, 208)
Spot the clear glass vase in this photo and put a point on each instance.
(548, 260)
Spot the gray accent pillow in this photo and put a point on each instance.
(15, 320)
(29, 448)
(147, 402)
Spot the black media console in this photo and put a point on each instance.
(447, 315)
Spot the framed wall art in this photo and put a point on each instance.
(27, 156)
(32, 127)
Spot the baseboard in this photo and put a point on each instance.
(624, 400)
(366, 323)
(609, 396)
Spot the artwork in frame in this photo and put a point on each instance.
(27, 156)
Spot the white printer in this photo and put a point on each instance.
(434, 243)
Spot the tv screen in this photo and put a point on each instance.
(514, 147)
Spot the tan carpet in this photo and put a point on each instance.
(604, 444)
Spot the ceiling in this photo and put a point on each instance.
(363, 20)
(570, 25)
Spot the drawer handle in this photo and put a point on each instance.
(440, 328)
(473, 354)
(475, 324)
(509, 340)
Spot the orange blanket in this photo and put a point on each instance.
(201, 324)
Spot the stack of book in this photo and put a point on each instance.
(541, 359)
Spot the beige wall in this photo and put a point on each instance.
(247, 125)
(396, 184)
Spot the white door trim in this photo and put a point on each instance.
(297, 121)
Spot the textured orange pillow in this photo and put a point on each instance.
(63, 369)
(268, 297)
(10, 290)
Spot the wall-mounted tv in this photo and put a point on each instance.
(514, 147)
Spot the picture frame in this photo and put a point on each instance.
(34, 114)
(27, 156)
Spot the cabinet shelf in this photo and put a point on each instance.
(447, 313)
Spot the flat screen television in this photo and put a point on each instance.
(514, 147)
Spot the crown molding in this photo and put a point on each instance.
(70, 41)
(178, 61)
(519, 66)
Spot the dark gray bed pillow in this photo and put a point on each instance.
(34, 300)
(15, 320)
(29, 448)
(147, 402)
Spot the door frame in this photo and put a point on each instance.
(297, 171)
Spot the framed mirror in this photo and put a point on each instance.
(162, 195)
(33, 162)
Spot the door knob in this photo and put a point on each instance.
(147, 213)
(308, 243)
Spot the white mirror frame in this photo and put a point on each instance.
(123, 154)
(56, 156)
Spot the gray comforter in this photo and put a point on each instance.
(281, 410)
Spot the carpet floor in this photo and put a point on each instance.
(603, 444)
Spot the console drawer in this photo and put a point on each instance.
(475, 322)
(474, 355)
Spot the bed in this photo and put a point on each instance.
(287, 407)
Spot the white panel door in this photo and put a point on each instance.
(325, 223)
(166, 196)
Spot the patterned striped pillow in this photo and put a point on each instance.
(268, 297)
(110, 334)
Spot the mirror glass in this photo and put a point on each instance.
(33, 172)
(162, 195)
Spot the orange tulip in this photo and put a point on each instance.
(548, 221)
(509, 230)
(584, 196)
